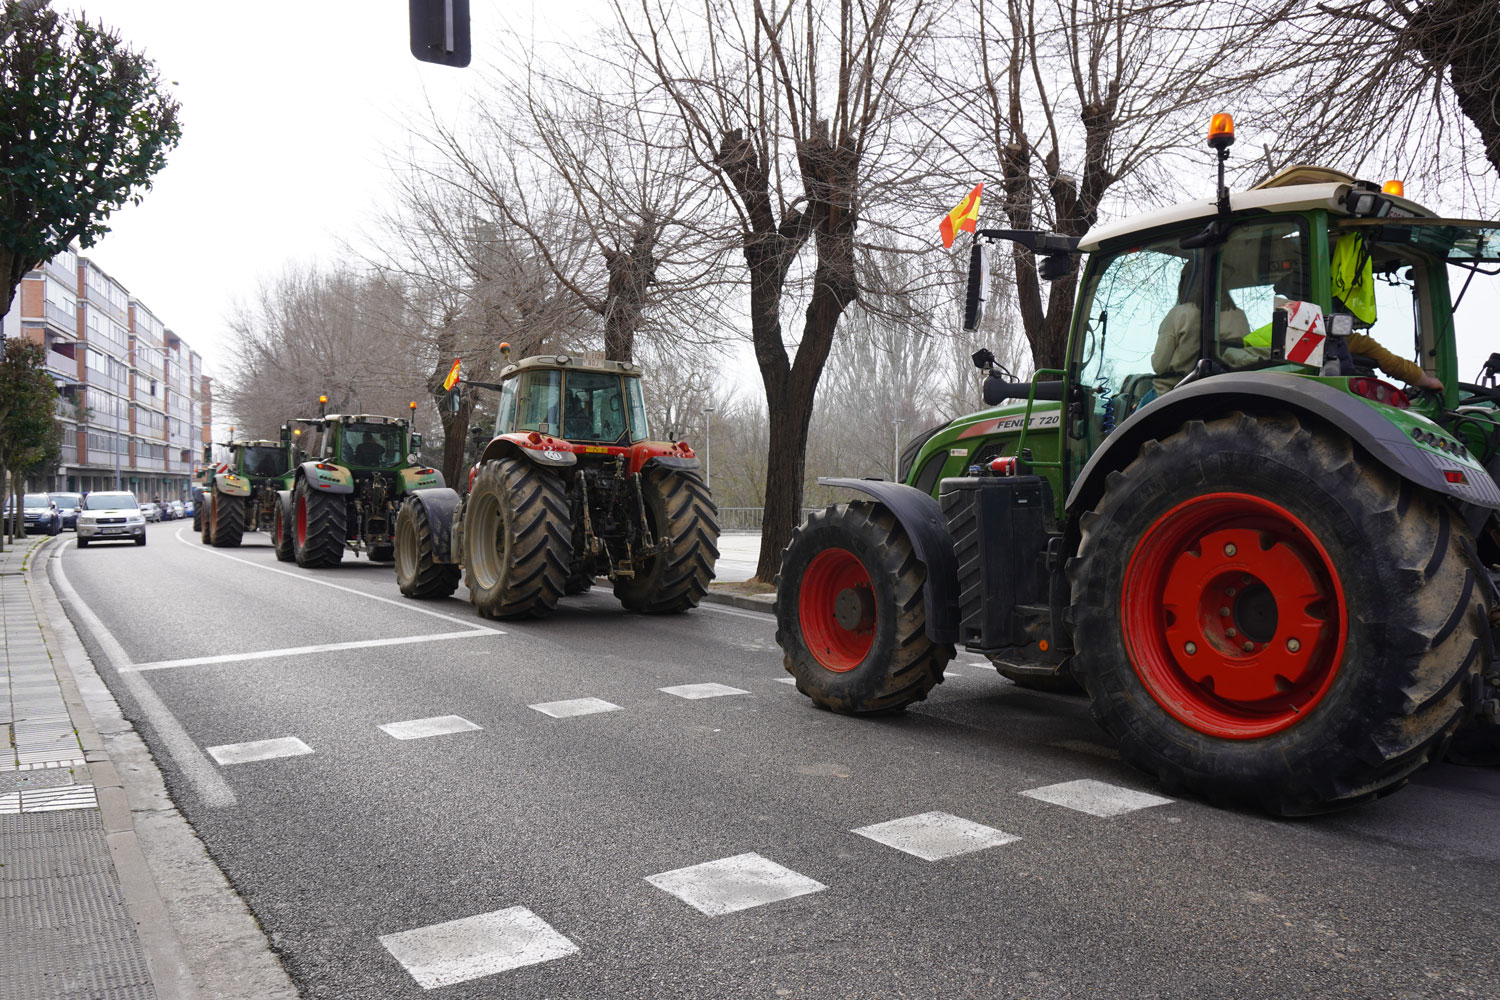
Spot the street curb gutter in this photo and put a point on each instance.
(742, 601)
(163, 952)
(225, 953)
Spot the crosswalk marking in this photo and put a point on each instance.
(715, 888)
(481, 945)
(933, 836)
(1097, 798)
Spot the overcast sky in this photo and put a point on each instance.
(289, 110)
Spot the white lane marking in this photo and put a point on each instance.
(206, 781)
(695, 691)
(786, 680)
(933, 836)
(718, 887)
(481, 945)
(1097, 798)
(243, 753)
(327, 647)
(438, 725)
(576, 706)
(761, 616)
(407, 603)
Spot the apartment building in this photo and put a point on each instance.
(134, 403)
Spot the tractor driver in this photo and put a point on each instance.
(1177, 339)
(578, 420)
(370, 450)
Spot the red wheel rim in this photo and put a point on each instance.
(836, 606)
(302, 521)
(1234, 617)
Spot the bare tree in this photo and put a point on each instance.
(795, 111)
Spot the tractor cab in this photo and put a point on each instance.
(260, 459)
(593, 402)
(358, 441)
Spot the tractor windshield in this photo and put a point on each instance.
(263, 461)
(593, 408)
(374, 446)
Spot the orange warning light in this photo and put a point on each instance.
(1396, 188)
(1221, 130)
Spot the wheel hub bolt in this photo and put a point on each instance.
(1229, 592)
(1293, 645)
(1231, 632)
(1248, 646)
(1191, 648)
(1223, 612)
(1230, 549)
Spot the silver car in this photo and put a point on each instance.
(111, 517)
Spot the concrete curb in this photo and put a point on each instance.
(745, 602)
(163, 952)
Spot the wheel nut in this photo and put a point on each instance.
(1229, 592)
(1230, 550)
(1223, 612)
(1293, 645)
(1248, 646)
(1231, 632)
(1191, 648)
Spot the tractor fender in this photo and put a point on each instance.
(326, 477)
(441, 505)
(925, 525)
(1280, 392)
(231, 485)
(671, 462)
(554, 458)
(421, 478)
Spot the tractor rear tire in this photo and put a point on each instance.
(679, 507)
(228, 521)
(518, 540)
(418, 574)
(1265, 614)
(850, 615)
(319, 522)
(281, 528)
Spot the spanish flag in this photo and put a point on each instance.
(964, 217)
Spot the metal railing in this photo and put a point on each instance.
(748, 518)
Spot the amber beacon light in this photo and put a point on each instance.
(1221, 131)
(1396, 188)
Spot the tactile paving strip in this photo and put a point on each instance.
(66, 930)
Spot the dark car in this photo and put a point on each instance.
(41, 514)
(68, 505)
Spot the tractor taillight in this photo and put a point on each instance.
(328, 468)
(534, 438)
(1380, 391)
(1455, 476)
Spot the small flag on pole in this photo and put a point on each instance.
(964, 217)
(452, 378)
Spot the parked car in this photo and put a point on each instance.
(165, 507)
(40, 514)
(150, 511)
(111, 517)
(187, 508)
(177, 509)
(68, 505)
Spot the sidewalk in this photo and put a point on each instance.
(84, 915)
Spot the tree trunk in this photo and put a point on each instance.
(1462, 37)
(631, 273)
(4, 488)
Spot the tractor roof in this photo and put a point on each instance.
(363, 418)
(1295, 189)
(255, 444)
(570, 362)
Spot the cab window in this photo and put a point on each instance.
(505, 411)
(593, 407)
(538, 402)
(1261, 267)
(1139, 332)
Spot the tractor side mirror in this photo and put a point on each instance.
(1054, 266)
(440, 31)
(286, 434)
(979, 280)
(416, 443)
(453, 401)
(208, 454)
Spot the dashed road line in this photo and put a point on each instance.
(1097, 798)
(326, 647)
(728, 885)
(933, 836)
(438, 725)
(471, 947)
(244, 753)
(575, 706)
(693, 692)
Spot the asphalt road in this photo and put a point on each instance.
(547, 829)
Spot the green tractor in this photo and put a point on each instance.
(1269, 569)
(347, 495)
(244, 497)
(571, 487)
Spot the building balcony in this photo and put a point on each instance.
(61, 321)
(69, 452)
(60, 364)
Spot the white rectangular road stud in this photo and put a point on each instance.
(438, 725)
(1097, 798)
(242, 753)
(575, 706)
(481, 945)
(933, 836)
(695, 691)
(728, 885)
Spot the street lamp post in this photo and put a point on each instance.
(708, 467)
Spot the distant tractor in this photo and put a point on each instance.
(571, 487)
(346, 496)
(244, 498)
(1272, 572)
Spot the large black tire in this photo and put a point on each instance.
(850, 616)
(319, 521)
(228, 521)
(518, 539)
(581, 580)
(1284, 531)
(140, 540)
(679, 507)
(205, 532)
(282, 532)
(198, 515)
(83, 543)
(417, 573)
